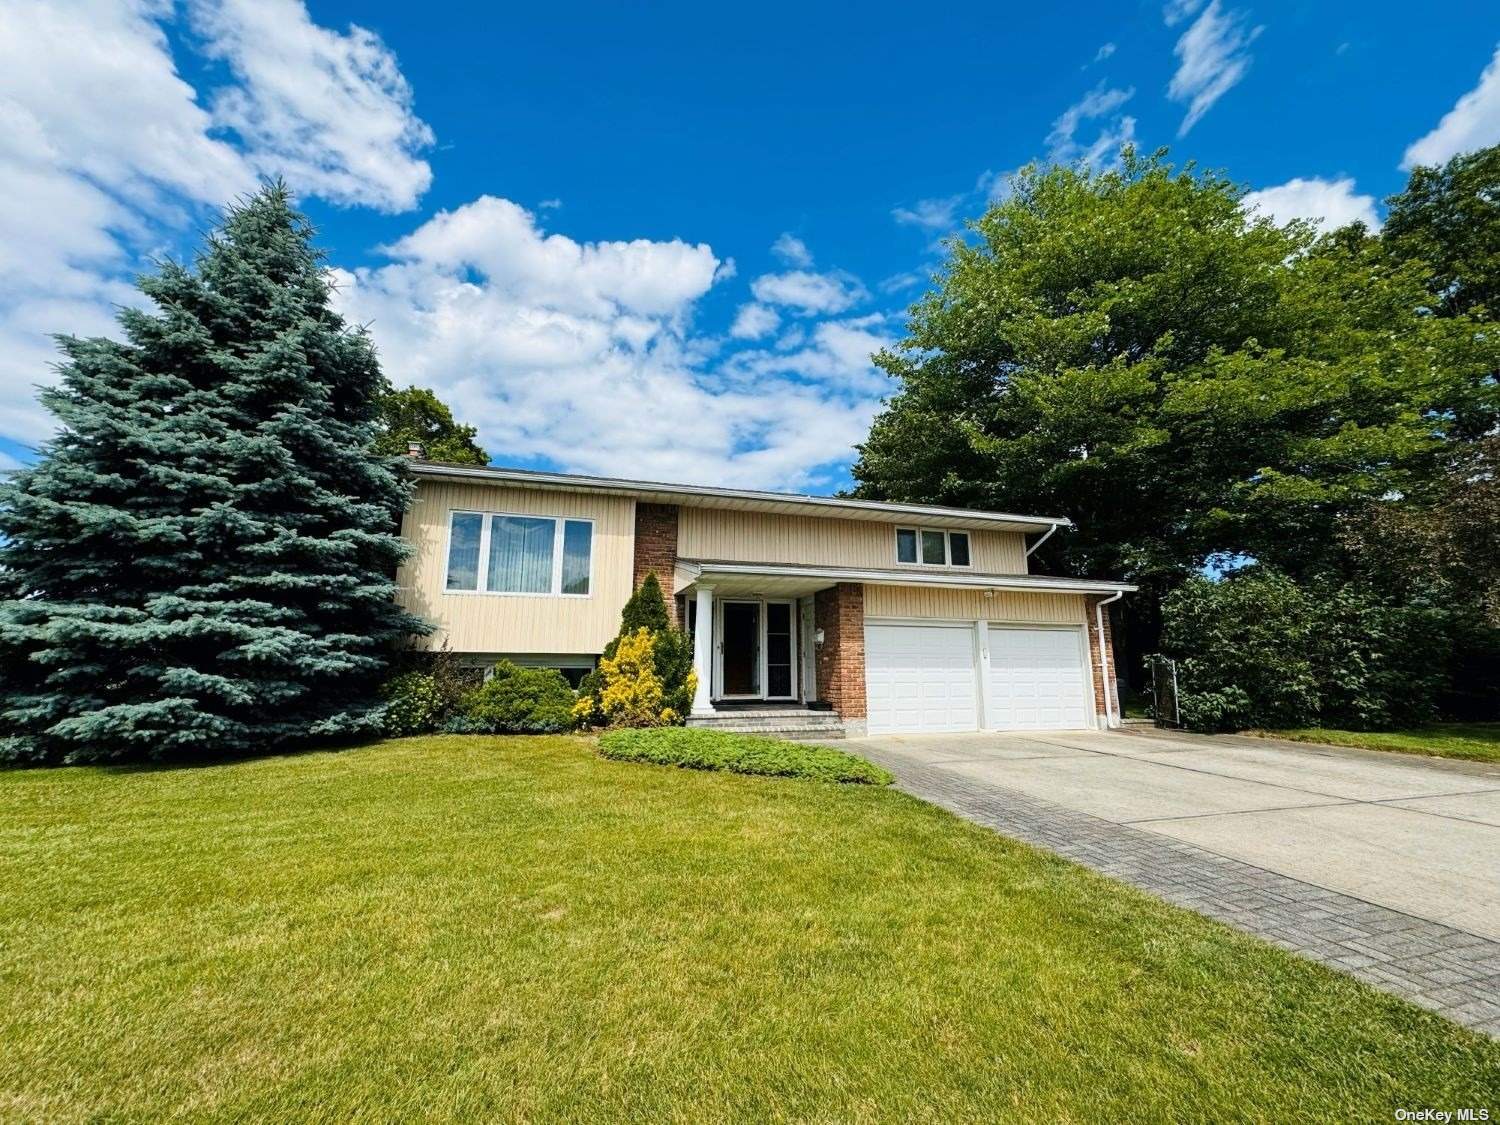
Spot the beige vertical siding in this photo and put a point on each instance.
(516, 622)
(1025, 607)
(712, 533)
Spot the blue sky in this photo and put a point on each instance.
(663, 241)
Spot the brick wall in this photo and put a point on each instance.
(840, 613)
(656, 548)
(1109, 660)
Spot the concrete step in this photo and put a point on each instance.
(773, 722)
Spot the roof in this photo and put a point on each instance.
(782, 503)
(690, 571)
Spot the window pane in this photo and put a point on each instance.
(906, 545)
(521, 554)
(578, 541)
(463, 552)
(958, 548)
(932, 548)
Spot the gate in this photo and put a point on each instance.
(1164, 690)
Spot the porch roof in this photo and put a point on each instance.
(781, 580)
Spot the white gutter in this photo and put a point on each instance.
(692, 569)
(1042, 540)
(1109, 718)
(533, 478)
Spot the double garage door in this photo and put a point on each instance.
(923, 678)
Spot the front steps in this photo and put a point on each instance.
(774, 722)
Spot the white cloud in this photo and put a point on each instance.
(1104, 52)
(583, 354)
(1175, 11)
(1213, 56)
(930, 214)
(331, 112)
(1102, 101)
(1329, 203)
(1472, 123)
(792, 250)
(753, 322)
(808, 292)
(107, 155)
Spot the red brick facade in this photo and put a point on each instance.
(840, 614)
(1109, 659)
(656, 548)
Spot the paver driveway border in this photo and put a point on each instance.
(1447, 970)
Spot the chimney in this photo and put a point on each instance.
(416, 451)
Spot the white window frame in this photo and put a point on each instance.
(559, 525)
(946, 533)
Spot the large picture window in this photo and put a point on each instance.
(923, 546)
(498, 553)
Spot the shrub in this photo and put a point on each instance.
(426, 694)
(517, 701)
(413, 705)
(699, 749)
(645, 677)
(1257, 649)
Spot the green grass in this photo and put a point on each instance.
(471, 928)
(695, 748)
(1472, 742)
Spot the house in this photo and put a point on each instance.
(876, 617)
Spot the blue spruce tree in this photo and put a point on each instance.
(203, 559)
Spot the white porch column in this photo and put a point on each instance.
(703, 651)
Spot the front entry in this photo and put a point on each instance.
(756, 649)
(740, 650)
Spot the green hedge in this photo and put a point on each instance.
(695, 748)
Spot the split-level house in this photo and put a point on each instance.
(872, 617)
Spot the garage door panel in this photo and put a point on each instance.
(920, 678)
(1038, 680)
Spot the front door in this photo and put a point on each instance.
(740, 651)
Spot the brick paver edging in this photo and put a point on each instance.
(1454, 973)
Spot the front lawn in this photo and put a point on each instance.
(469, 928)
(1473, 742)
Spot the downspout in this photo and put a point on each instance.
(1104, 677)
(1043, 539)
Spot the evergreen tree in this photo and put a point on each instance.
(671, 653)
(202, 560)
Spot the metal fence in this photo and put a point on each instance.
(1164, 690)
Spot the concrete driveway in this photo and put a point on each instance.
(1415, 835)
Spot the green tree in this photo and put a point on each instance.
(200, 561)
(1186, 382)
(1448, 218)
(416, 414)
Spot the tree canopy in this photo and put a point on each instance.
(202, 560)
(1198, 387)
(416, 414)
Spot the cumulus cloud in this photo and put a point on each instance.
(1328, 203)
(1213, 56)
(1472, 123)
(754, 322)
(332, 112)
(583, 354)
(930, 214)
(107, 155)
(809, 293)
(792, 250)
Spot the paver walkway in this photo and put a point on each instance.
(1279, 846)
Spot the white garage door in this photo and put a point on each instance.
(920, 679)
(1037, 679)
